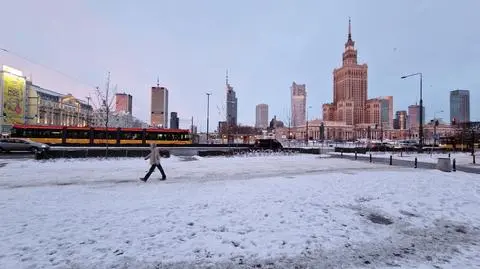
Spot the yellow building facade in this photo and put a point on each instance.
(22, 102)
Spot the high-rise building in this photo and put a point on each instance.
(460, 106)
(123, 103)
(414, 116)
(299, 104)
(387, 111)
(377, 111)
(159, 107)
(349, 88)
(400, 122)
(232, 102)
(261, 113)
(174, 121)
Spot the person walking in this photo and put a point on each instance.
(154, 156)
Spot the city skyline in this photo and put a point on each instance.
(263, 60)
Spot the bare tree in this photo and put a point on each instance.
(289, 120)
(105, 100)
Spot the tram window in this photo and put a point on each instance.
(29, 133)
(101, 135)
(167, 136)
(78, 134)
(131, 135)
(17, 133)
(155, 136)
(41, 133)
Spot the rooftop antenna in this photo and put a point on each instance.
(158, 82)
(226, 77)
(349, 28)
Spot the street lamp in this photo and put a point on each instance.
(88, 110)
(420, 127)
(208, 112)
(306, 131)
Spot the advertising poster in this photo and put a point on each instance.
(13, 98)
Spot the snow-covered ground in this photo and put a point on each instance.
(298, 211)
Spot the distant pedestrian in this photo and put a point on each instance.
(154, 156)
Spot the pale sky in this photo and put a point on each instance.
(266, 45)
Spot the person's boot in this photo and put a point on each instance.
(164, 178)
(143, 179)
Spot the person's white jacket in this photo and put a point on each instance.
(154, 155)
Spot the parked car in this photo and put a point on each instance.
(268, 143)
(18, 144)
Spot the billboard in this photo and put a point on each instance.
(13, 96)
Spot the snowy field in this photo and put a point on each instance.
(298, 211)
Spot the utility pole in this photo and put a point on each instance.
(307, 138)
(381, 131)
(192, 125)
(208, 114)
(420, 126)
(88, 110)
(107, 110)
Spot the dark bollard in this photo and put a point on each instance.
(416, 162)
(370, 157)
(341, 153)
(473, 158)
(356, 155)
(391, 159)
(401, 153)
(454, 165)
(448, 155)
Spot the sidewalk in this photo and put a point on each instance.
(410, 162)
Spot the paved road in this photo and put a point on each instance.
(17, 155)
(405, 163)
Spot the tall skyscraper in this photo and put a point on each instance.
(400, 120)
(414, 116)
(261, 113)
(387, 111)
(123, 103)
(174, 121)
(299, 104)
(460, 106)
(231, 104)
(349, 87)
(159, 106)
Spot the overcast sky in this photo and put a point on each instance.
(266, 45)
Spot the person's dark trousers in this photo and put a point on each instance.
(152, 168)
(159, 166)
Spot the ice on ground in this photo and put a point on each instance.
(269, 212)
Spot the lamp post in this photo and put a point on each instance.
(88, 110)
(208, 112)
(420, 126)
(306, 127)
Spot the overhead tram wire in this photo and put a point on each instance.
(48, 68)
